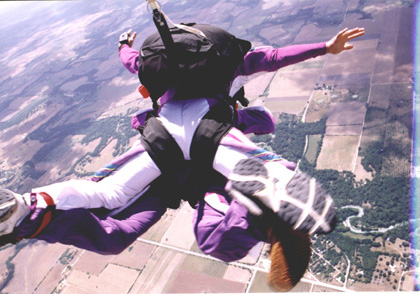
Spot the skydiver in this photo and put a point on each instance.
(122, 187)
(223, 227)
(259, 184)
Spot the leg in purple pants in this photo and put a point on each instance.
(89, 230)
(228, 236)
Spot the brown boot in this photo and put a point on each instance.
(290, 255)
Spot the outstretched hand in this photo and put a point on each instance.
(127, 38)
(339, 42)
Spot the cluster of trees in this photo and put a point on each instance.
(115, 127)
(385, 199)
(290, 136)
(22, 114)
(372, 156)
(388, 197)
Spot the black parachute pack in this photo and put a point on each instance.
(195, 65)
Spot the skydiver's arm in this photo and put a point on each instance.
(268, 59)
(129, 57)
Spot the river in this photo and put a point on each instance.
(355, 230)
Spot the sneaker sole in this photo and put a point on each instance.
(8, 204)
(301, 202)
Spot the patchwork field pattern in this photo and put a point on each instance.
(66, 109)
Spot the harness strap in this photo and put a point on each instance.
(210, 131)
(188, 179)
(48, 213)
(161, 146)
(167, 155)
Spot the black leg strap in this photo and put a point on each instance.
(161, 146)
(212, 128)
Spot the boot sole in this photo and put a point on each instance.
(8, 204)
(301, 202)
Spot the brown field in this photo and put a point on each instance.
(135, 257)
(293, 105)
(409, 282)
(216, 269)
(314, 65)
(158, 230)
(237, 274)
(357, 61)
(158, 272)
(179, 233)
(92, 164)
(403, 70)
(81, 282)
(380, 96)
(385, 56)
(318, 105)
(195, 282)
(295, 83)
(338, 152)
(85, 264)
(257, 86)
(42, 257)
(346, 113)
(260, 284)
(360, 172)
(316, 116)
(302, 287)
(346, 130)
(310, 33)
(272, 32)
(73, 85)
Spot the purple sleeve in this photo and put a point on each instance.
(269, 59)
(129, 58)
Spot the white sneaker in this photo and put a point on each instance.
(295, 198)
(13, 207)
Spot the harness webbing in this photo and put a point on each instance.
(48, 213)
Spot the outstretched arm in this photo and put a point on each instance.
(269, 59)
(129, 57)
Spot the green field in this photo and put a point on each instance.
(314, 142)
